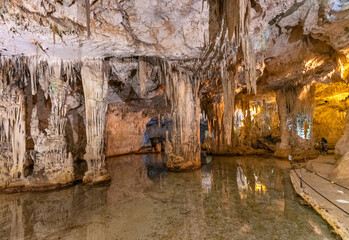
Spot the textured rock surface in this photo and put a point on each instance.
(70, 29)
(125, 132)
(340, 172)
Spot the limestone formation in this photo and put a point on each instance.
(95, 86)
(184, 149)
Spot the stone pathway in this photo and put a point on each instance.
(339, 196)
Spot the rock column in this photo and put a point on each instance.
(283, 149)
(95, 91)
(184, 150)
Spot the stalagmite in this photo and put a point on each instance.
(95, 86)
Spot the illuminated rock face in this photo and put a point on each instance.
(342, 148)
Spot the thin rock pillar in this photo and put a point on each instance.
(284, 148)
(95, 91)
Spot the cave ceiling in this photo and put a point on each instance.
(294, 42)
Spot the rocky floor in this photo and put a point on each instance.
(335, 208)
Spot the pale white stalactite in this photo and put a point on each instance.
(250, 64)
(95, 86)
(142, 75)
(32, 65)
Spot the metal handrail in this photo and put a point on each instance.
(302, 180)
(346, 188)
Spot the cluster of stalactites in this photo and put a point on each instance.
(43, 70)
(300, 100)
(12, 132)
(238, 20)
(12, 118)
(37, 69)
(234, 33)
(12, 71)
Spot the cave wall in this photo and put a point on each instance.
(125, 131)
(330, 112)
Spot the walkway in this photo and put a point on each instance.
(328, 199)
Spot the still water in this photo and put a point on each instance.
(229, 198)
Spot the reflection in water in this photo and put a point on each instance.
(229, 198)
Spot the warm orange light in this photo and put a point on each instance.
(343, 68)
(260, 187)
(338, 97)
(312, 64)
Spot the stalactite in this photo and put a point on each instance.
(53, 28)
(250, 64)
(88, 10)
(142, 75)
